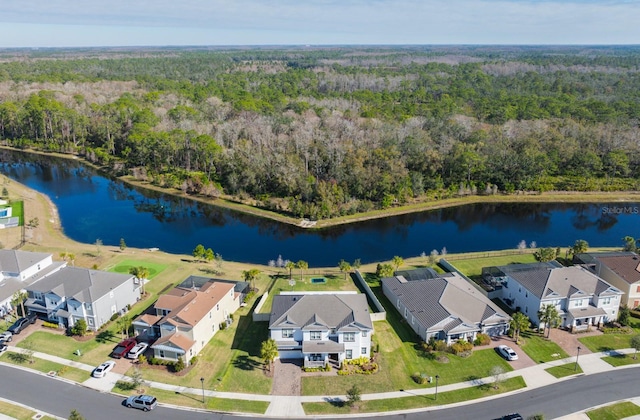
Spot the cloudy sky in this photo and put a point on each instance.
(58, 23)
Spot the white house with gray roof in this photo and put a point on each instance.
(321, 328)
(581, 297)
(19, 269)
(74, 293)
(444, 306)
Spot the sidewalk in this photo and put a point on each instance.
(291, 406)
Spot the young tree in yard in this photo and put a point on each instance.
(545, 254)
(580, 247)
(397, 262)
(209, 255)
(198, 252)
(635, 344)
(79, 328)
(384, 270)
(345, 267)
(498, 376)
(354, 395)
(123, 245)
(122, 324)
(519, 322)
(356, 264)
(18, 300)
(251, 276)
(630, 243)
(302, 265)
(549, 317)
(623, 315)
(269, 351)
(290, 265)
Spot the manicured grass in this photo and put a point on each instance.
(334, 282)
(16, 411)
(565, 370)
(473, 266)
(195, 400)
(606, 342)
(92, 351)
(46, 366)
(444, 398)
(229, 362)
(125, 265)
(621, 360)
(615, 411)
(540, 349)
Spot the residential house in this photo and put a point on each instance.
(621, 269)
(581, 297)
(443, 306)
(183, 320)
(321, 327)
(19, 269)
(74, 293)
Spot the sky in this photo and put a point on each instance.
(83, 23)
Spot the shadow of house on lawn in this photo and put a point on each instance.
(246, 363)
(107, 336)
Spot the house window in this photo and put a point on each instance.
(218, 307)
(636, 303)
(349, 354)
(364, 333)
(637, 289)
(413, 320)
(90, 321)
(87, 306)
(316, 335)
(190, 352)
(578, 303)
(398, 301)
(349, 337)
(526, 294)
(406, 312)
(161, 353)
(606, 301)
(287, 334)
(210, 315)
(111, 294)
(363, 350)
(526, 309)
(519, 289)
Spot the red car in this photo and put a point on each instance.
(123, 348)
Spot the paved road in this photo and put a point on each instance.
(568, 396)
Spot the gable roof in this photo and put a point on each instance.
(188, 306)
(173, 341)
(448, 302)
(16, 261)
(625, 264)
(340, 311)
(81, 284)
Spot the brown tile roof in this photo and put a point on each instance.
(190, 306)
(149, 319)
(177, 340)
(627, 266)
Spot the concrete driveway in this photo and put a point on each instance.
(523, 360)
(286, 377)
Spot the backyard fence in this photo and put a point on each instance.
(451, 268)
(380, 314)
(256, 316)
(489, 254)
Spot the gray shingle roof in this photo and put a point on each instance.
(625, 264)
(339, 311)
(15, 261)
(81, 284)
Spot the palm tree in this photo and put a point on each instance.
(519, 322)
(580, 247)
(269, 351)
(18, 299)
(141, 273)
(302, 265)
(549, 317)
(345, 267)
(290, 265)
(251, 276)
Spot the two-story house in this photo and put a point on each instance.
(19, 269)
(443, 306)
(581, 298)
(621, 269)
(183, 320)
(74, 293)
(321, 328)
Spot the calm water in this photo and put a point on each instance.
(94, 207)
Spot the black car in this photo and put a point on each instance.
(512, 416)
(19, 325)
(32, 316)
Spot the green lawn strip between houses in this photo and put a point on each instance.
(407, 403)
(92, 352)
(615, 411)
(195, 400)
(46, 366)
(621, 360)
(124, 266)
(607, 342)
(564, 370)
(19, 413)
(472, 267)
(541, 349)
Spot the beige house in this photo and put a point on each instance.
(621, 269)
(184, 320)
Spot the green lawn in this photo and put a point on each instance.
(125, 265)
(18, 412)
(449, 397)
(565, 370)
(472, 267)
(46, 366)
(606, 342)
(229, 362)
(540, 349)
(92, 352)
(334, 282)
(622, 360)
(193, 400)
(616, 411)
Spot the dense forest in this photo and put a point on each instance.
(318, 132)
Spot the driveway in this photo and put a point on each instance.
(523, 360)
(569, 342)
(286, 377)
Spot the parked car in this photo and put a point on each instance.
(6, 336)
(32, 317)
(102, 370)
(3, 347)
(137, 350)
(512, 416)
(143, 402)
(507, 352)
(123, 348)
(19, 325)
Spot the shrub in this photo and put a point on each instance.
(420, 378)
(142, 358)
(114, 316)
(482, 340)
(460, 347)
(178, 365)
(223, 326)
(79, 328)
(52, 325)
(434, 345)
(193, 360)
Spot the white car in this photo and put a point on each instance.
(102, 370)
(139, 349)
(6, 336)
(507, 352)
(3, 347)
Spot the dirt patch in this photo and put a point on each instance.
(286, 377)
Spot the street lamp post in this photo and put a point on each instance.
(202, 382)
(575, 368)
(437, 377)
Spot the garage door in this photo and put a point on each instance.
(290, 354)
